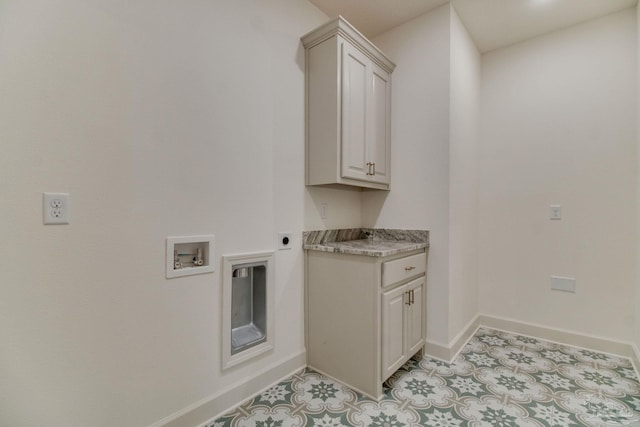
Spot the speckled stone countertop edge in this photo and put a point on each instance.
(366, 241)
(370, 251)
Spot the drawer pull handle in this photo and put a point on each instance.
(409, 268)
(412, 297)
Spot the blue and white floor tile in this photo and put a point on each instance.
(499, 379)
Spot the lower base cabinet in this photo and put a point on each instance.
(365, 316)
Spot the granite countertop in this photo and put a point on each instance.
(366, 241)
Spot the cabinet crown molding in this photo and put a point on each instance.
(340, 26)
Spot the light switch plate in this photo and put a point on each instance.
(324, 208)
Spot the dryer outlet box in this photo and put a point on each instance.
(285, 240)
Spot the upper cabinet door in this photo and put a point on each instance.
(380, 125)
(355, 88)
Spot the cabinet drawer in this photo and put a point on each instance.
(403, 268)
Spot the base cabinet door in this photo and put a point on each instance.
(402, 325)
(393, 330)
(415, 320)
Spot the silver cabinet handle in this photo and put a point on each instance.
(369, 164)
(410, 297)
(371, 168)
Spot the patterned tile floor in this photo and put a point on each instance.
(499, 379)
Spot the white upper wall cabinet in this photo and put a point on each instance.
(348, 104)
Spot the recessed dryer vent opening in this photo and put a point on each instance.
(247, 307)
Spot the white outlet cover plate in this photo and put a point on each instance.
(55, 208)
(324, 207)
(555, 212)
(281, 240)
(566, 284)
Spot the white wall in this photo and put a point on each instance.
(559, 127)
(157, 124)
(435, 114)
(463, 178)
(637, 284)
(343, 210)
(159, 118)
(419, 196)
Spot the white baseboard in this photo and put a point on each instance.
(438, 351)
(448, 352)
(563, 336)
(463, 336)
(206, 410)
(636, 358)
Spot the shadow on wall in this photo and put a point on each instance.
(328, 207)
(300, 59)
(373, 202)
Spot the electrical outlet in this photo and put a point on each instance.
(55, 208)
(555, 212)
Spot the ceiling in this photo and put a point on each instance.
(491, 23)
